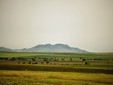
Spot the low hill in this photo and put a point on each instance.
(4, 49)
(57, 48)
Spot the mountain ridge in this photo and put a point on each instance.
(57, 48)
(4, 49)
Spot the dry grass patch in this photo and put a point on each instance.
(53, 78)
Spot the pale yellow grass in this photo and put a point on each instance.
(53, 78)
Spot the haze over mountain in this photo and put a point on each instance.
(57, 48)
(4, 49)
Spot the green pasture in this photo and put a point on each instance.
(64, 55)
(105, 59)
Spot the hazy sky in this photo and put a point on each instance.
(86, 24)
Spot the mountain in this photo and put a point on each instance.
(57, 48)
(4, 49)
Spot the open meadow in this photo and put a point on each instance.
(53, 78)
(56, 68)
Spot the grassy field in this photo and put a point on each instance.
(67, 55)
(53, 78)
(17, 68)
(93, 60)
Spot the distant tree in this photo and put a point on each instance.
(86, 63)
(6, 58)
(47, 62)
(33, 59)
(56, 59)
(18, 62)
(70, 59)
(91, 59)
(80, 57)
(94, 59)
(83, 59)
(29, 62)
(50, 59)
(1, 58)
(39, 57)
(99, 59)
(13, 59)
(35, 56)
(62, 59)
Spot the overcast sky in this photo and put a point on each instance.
(86, 24)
